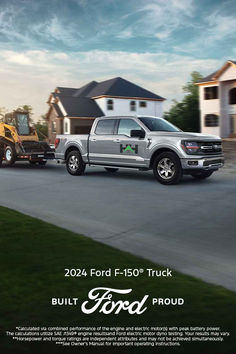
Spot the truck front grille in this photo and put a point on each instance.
(210, 147)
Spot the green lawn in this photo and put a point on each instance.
(33, 256)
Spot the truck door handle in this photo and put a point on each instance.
(116, 141)
(94, 139)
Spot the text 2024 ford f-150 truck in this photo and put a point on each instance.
(144, 143)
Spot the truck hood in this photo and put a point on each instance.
(185, 135)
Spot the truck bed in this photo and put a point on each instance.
(67, 140)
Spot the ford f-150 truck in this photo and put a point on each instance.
(143, 143)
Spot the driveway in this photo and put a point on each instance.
(190, 227)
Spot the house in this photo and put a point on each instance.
(73, 110)
(217, 93)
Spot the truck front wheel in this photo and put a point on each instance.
(75, 164)
(10, 155)
(167, 168)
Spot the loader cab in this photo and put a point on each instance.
(20, 120)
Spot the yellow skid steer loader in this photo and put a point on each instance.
(19, 141)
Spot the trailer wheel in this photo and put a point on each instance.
(75, 164)
(10, 155)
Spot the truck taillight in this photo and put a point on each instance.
(56, 143)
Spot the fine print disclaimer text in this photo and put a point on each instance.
(118, 336)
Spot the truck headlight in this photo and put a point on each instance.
(190, 147)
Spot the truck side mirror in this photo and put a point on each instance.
(137, 133)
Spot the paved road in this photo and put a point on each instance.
(190, 227)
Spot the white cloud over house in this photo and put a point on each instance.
(31, 75)
(154, 43)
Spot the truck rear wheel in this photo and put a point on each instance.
(75, 164)
(10, 155)
(167, 168)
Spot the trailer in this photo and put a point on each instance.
(19, 141)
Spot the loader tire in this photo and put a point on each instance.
(10, 155)
(42, 163)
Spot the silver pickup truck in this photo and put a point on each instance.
(143, 143)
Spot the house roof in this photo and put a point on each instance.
(67, 91)
(121, 88)
(80, 106)
(215, 75)
(84, 90)
(208, 78)
(57, 109)
(79, 102)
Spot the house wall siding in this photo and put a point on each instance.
(220, 106)
(209, 107)
(229, 74)
(226, 109)
(122, 107)
(59, 126)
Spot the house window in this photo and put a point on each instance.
(66, 128)
(232, 96)
(211, 93)
(211, 120)
(142, 104)
(110, 105)
(132, 105)
(54, 127)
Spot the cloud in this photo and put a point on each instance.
(221, 26)
(77, 23)
(160, 18)
(28, 77)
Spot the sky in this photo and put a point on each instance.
(153, 43)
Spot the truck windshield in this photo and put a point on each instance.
(158, 124)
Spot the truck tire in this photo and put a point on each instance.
(1, 155)
(202, 174)
(75, 164)
(167, 168)
(10, 155)
(111, 170)
(42, 163)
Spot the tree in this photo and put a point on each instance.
(186, 114)
(26, 108)
(42, 128)
(2, 113)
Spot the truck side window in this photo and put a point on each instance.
(105, 127)
(126, 125)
